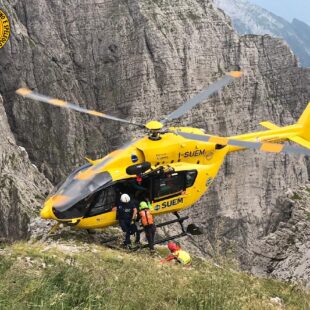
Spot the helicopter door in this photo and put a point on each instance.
(103, 201)
(172, 184)
(137, 191)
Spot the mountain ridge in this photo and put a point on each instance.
(249, 18)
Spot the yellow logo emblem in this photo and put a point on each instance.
(4, 28)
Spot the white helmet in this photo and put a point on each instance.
(125, 198)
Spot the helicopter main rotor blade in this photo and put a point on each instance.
(261, 146)
(27, 93)
(202, 96)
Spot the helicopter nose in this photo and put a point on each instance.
(47, 213)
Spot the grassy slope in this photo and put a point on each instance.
(62, 276)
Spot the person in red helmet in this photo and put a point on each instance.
(177, 254)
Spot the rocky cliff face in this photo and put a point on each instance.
(285, 250)
(139, 60)
(22, 186)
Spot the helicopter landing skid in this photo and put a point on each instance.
(191, 229)
(179, 220)
(183, 234)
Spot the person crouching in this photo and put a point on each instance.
(178, 255)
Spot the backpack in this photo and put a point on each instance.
(146, 217)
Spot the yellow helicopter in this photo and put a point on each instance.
(171, 167)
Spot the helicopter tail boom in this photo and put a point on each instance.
(298, 133)
(270, 140)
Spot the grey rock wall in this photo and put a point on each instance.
(22, 186)
(285, 250)
(139, 60)
(236, 210)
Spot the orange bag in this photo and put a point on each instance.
(146, 217)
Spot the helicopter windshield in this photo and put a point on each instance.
(75, 190)
(68, 179)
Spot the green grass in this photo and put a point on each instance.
(296, 196)
(39, 276)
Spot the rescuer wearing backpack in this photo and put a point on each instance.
(179, 255)
(147, 221)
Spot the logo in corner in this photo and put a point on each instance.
(5, 29)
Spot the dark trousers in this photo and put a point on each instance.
(135, 231)
(150, 235)
(129, 229)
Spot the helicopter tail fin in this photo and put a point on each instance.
(304, 121)
(302, 126)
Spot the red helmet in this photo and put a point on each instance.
(173, 247)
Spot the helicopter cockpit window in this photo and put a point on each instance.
(190, 178)
(168, 185)
(81, 194)
(68, 179)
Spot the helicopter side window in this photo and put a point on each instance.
(168, 185)
(190, 178)
(102, 202)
